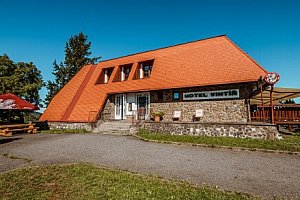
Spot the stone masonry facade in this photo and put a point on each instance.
(217, 110)
(226, 110)
(238, 130)
(70, 125)
(213, 111)
(108, 111)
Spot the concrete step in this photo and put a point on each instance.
(114, 128)
(127, 132)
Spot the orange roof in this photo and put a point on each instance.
(205, 62)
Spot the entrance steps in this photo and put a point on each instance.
(114, 128)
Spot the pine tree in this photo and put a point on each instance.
(76, 56)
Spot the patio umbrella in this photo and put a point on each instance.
(10, 102)
(13, 102)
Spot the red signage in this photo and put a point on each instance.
(272, 78)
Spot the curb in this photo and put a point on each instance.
(218, 146)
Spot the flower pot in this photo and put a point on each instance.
(156, 118)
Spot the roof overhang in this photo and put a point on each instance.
(253, 82)
(279, 94)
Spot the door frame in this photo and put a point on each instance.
(146, 94)
(122, 106)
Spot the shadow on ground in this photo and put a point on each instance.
(7, 140)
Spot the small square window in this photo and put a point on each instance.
(129, 106)
(176, 95)
(160, 95)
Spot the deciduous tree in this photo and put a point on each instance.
(22, 79)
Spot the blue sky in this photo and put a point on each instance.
(36, 31)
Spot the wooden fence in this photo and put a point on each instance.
(283, 114)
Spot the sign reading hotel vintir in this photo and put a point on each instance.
(218, 94)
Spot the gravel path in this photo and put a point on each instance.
(257, 173)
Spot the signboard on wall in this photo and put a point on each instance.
(217, 94)
(199, 113)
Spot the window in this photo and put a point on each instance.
(130, 107)
(160, 95)
(126, 72)
(147, 70)
(123, 72)
(107, 74)
(176, 95)
(144, 70)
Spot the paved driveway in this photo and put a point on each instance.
(262, 174)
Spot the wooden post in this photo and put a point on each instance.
(9, 116)
(262, 101)
(249, 112)
(271, 104)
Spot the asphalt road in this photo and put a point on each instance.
(257, 173)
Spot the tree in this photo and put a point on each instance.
(76, 56)
(289, 101)
(22, 79)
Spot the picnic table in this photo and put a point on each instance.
(8, 130)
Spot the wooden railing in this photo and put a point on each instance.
(283, 114)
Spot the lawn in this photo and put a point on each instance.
(85, 181)
(288, 143)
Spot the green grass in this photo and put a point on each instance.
(62, 131)
(288, 143)
(85, 181)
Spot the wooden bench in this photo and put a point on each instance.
(7, 130)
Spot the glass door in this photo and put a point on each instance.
(120, 110)
(143, 104)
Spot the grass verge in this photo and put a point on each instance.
(85, 181)
(288, 143)
(62, 131)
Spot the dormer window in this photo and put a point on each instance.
(125, 71)
(107, 74)
(145, 69)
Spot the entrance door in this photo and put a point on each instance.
(120, 111)
(143, 106)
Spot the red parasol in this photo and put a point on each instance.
(12, 102)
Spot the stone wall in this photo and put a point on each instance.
(108, 112)
(213, 111)
(239, 130)
(226, 110)
(70, 125)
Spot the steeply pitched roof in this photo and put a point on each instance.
(205, 62)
